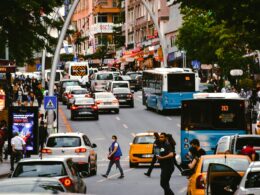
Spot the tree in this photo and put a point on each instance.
(24, 24)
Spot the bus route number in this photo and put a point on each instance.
(224, 108)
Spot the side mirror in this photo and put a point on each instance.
(83, 174)
(94, 145)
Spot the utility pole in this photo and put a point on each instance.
(55, 61)
(160, 34)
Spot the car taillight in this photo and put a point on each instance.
(115, 101)
(65, 94)
(66, 181)
(46, 151)
(99, 101)
(74, 107)
(80, 150)
(70, 96)
(94, 107)
(200, 182)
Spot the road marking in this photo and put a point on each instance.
(117, 118)
(178, 125)
(65, 120)
(125, 126)
(168, 118)
(113, 176)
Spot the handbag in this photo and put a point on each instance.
(110, 157)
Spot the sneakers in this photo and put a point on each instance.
(121, 177)
(148, 175)
(104, 175)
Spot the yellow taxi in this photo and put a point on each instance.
(141, 149)
(197, 181)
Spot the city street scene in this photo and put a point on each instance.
(130, 97)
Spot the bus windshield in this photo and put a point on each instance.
(213, 114)
(181, 82)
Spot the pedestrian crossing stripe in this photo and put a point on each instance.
(50, 105)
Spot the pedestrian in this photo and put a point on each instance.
(38, 95)
(3, 138)
(43, 134)
(249, 151)
(114, 156)
(165, 159)
(18, 149)
(155, 152)
(195, 143)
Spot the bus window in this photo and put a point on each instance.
(181, 82)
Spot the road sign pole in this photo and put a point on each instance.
(55, 61)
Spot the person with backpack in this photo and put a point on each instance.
(114, 156)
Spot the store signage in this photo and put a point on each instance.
(236, 72)
(102, 28)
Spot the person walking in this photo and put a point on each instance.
(114, 156)
(156, 144)
(3, 138)
(18, 149)
(165, 159)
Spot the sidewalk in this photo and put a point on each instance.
(5, 168)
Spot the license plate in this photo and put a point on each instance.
(81, 113)
(122, 100)
(147, 155)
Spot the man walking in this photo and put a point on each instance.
(114, 156)
(195, 143)
(165, 159)
(18, 148)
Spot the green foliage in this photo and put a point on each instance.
(24, 25)
(246, 83)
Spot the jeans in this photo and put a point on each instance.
(111, 163)
(152, 165)
(166, 173)
(18, 155)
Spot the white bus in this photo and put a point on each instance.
(78, 70)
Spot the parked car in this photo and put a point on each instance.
(84, 107)
(106, 101)
(64, 169)
(64, 83)
(124, 96)
(197, 178)
(141, 149)
(76, 145)
(234, 144)
(76, 93)
(32, 185)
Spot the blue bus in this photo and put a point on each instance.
(210, 116)
(165, 88)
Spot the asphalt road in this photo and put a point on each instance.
(125, 124)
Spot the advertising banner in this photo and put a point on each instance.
(24, 121)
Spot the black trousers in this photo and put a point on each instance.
(16, 156)
(111, 163)
(166, 173)
(150, 169)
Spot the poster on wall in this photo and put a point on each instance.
(24, 121)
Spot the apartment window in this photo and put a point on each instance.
(115, 3)
(116, 18)
(131, 38)
(172, 41)
(101, 18)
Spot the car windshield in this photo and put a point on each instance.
(70, 83)
(133, 75)
(105, 76)
(121, 90)
(126, 78)
(39, 187)
(253, 180)
(244, 141)
(118, 85)
(40, 169)
(84, 101)
(77, 92)
(149, 139)
(238, 164)
(104, 96)
(63, 141)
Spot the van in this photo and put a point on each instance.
(78, 70)
(234, 143)
(58, 76)
(117, 84)
(100, 80)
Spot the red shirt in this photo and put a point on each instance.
(248, 150)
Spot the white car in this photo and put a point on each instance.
(250, 183)
(106, 101)
(100, 80)
(76, 145)
(76, 93)
(64, 96)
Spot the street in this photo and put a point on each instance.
(125, 124)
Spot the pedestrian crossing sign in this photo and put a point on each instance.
(50, 102)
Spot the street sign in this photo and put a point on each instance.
(50, 102)
(195, 64)
(236, 72)
(39, 67)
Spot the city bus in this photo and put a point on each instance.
(209, 116)
(165, 88)
(78, 70)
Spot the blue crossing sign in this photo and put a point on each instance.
(50, 102)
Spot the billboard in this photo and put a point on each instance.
(24, 121)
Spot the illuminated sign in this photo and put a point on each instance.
(224, 108)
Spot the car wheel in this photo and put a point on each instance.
(132, 105)
(132, 165)
(94, 171)
(117, 111)
(96, 117)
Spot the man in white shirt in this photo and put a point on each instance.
(18, 148)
